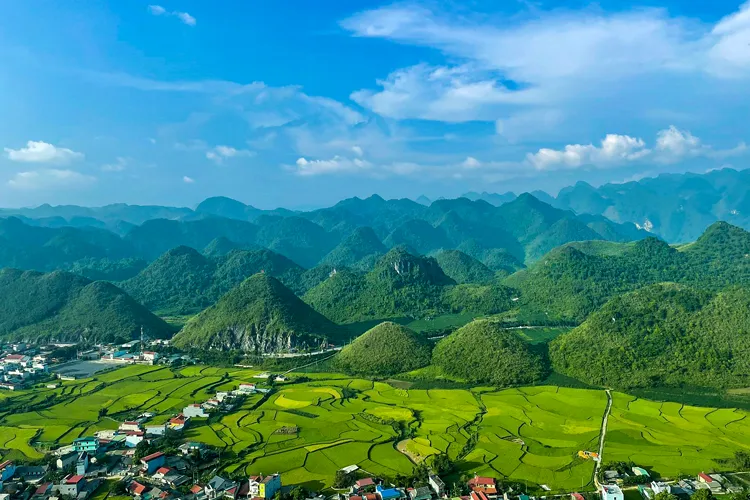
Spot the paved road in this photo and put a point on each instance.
(602, 435)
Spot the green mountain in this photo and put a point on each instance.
(559, 233)
(297, 238)
(221, 206)
(462, 268)
(360, 250)
(259, 315)
(482, 352)
(418, 235)
(220, 246)
(67, 307)
(183, 281)
(661, 335)
(568, 284)
(386, 349)
(494, 258)
(400, 284)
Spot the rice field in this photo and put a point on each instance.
(308, 430)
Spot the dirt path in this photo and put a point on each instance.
(602, 436)
(401, 446)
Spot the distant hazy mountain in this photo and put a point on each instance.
(491, 198)
(676, 207)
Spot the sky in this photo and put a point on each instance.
(300, 104)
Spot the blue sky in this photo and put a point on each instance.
(300, 104)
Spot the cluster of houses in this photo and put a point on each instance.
(21, 365)
(480, 488)
(717, 484)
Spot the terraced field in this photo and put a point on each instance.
(671, 438)
(308, 430)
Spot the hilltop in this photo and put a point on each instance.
(65, 307)
(361, 249)
(259, 315)
(386, 349)
(482, 352)
(662, 335)
(183, 281)
(462, 268)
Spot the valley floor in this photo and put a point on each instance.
(529, 435)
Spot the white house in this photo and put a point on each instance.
(130, 426)
(194, 410)
(612, 492)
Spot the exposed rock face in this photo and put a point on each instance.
(252, 339)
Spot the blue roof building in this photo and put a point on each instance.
(388, 494)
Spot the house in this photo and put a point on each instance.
(576, 496)
(612, 492)
(196, 489)
(150, 356)
(82, 463)
(422, 493)
(31, 473)
(130, 426)
(71, 486)
(152, 462)
(280, 378)
(217, 486)
(88, 444)
(178, 423)
(7, 470)
(137, 489)
(478, 495)
(718, 478)
(43, 490)
(67, 460)
(247, 388)
(363, 483)
(16, 359)
(705, 478)
(657, 487)
(190, 447)
(194, 410)
(486, 485)
(264, 487)
(133, 438)
(640, 471)
(437, 484)
(388, 494)
(175, 479)
(156, 430)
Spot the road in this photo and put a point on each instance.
(602, 436)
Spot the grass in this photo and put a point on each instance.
(308, 430)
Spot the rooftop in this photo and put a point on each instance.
(152, 456)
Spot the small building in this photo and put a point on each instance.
(88, 444)
(280, 378)
(152, 462)
(82, 463)
(437, 484)
(576, 496)
(71, 486)
(130, 426)
(217, 486)
(269, 485)
(178, 423)
(612, 492)
(486, 485)
(194, 410)
(657, 487)
(137, 489)
(388, 493)
(478, 495)
(190, 447)
(640, 471)
(156, 430)
(363, 483)
(7, 470)
(67, 460)
(133, 439)
(43, 490)
(705, 478)
(422, 493)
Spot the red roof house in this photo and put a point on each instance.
(705, 478)
(361, 483)
(486, 485)
(137, 488)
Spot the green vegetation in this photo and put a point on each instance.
(360, 250)
(462, 268)
(484, 352)
(662, 335)
(386, 349)
(66, 307)
(259, 315)
(400, 284)
(183, 281)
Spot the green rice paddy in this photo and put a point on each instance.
(308, 430)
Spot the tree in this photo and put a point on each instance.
(103, 412)
(342, 479)
(702, 494)
(142, 449)
(665, 495)
(441, 464)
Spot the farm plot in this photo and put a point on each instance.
(533, 435)
(671, 438)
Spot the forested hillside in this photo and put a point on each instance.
(665, 334)
(67, 307)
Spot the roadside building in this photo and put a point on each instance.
(576, 496)
(88, 444)
(82, 463)
(437, 484)
(71, 486)
(67, 460)
(388, 493)
(612, 492)
(130, 426)
(486, 485)
(640, 471)
(156, 430)
(7, 470)
(194, 410)
(424, 493)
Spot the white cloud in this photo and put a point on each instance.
(42, 152)
(572, 61)
(184, 17)
(45, 179)
(674, 145)
(337, 164)
(118, 166)
(471, 163)
(357, 150)
(188, 180)
(614, 150)
(220, 153)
